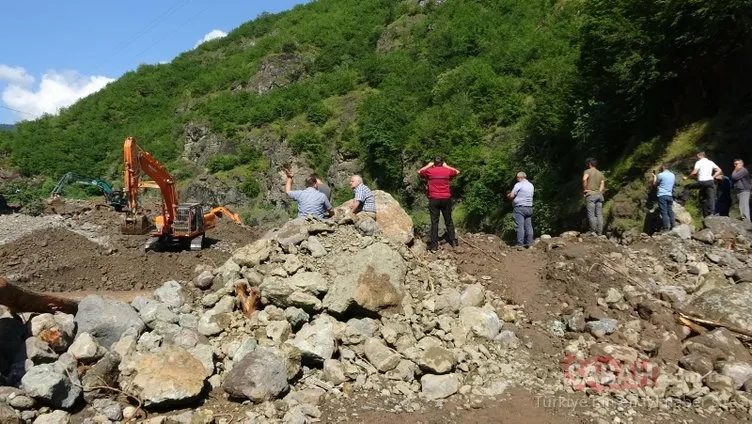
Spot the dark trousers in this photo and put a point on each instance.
(523, 222)
(666, 205)
(707, 190)
(443, 206)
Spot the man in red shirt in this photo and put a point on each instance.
(438, 175)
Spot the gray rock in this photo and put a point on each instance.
(205, 354)
(225, 305)
(678, 256)
(698, 268)
(383, 358)
(278, 331)
(106, 319)
(154, 311)
(674, 294)
(371, 279)
(246, 346)
(725, 225)
(149, 342)
(296, 317)
(602, 326)
(743, 275)
(724, 341)
(358, 330)
(109, 408)
(51, 384)
(171, 294)
(292, 233)
(315, 247)
(188, 321)
(367, 226)
(719, 383)
(212, 323)
(292, 264)
(613, 296)
(437, 360)
(104, 373)
(260, 376)
(210, 299)
(300, 290)
(740, 372)
(479, 321)
(21, 402)
(472, 296)
(696, 362)
(729, 305)
(167, 377)
(436, 387)
(333, 372)
(54, 417)
(204, 280)
(57, 330)
(86, 349)
(705, 236)
(253, 254)
(316, 340)
(576, 321)
(683, 231)
(39, 352)
(449, 301)
(507, 339)
(405, 371)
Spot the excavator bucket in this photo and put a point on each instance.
(136, 224)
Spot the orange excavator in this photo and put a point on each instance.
(179, 222)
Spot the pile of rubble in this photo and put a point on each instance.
(341, 309)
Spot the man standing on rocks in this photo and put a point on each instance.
(665, 182)
(365, 203)
(593, 185)
(310, 201)
(522, 199)
(742, 185)
(439, 174)
(707, 172)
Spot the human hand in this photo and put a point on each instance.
(289, 173)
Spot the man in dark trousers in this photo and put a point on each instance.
(742, 185)
(706, 172)
(439, 174)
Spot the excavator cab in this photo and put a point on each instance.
(189, 224)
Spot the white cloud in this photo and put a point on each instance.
(15, 75)
(55, 90)
(211, 35)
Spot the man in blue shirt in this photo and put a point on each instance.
(665, 182)
(310, 201)
(522, 199)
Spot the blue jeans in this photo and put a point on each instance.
(523, 222)
(595, 212)
(666, 205)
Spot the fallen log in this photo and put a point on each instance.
(19, 299)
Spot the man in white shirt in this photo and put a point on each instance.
(707, 172)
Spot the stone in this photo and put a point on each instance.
(729, 305)
(726, 342)
(244, 347)
(367, 226)
(86, 349)
(279, 331)
(698, 268)
(358, 330)
(437, 360)
(333, 372)
(315, 247)
(39, 352)
(683, 231)
(109, 408)
(743, 275)
(613, 296)
(371, 279)
(296, 317)
(104, 373)
(479, 321)
(253, 254)
(205, 354)
(705, 236)
(106, 320)
(725, 225)
(54, 417)
(204, 280)
(380, 356)
(681, 215)
(292, 233)
(260, 376)
(212, 323)
(719, 383)
(170, 376)
(300, 290)
(624, 354)
(154, 312)
(576, 321)
(394, 223)
(171, 294)
(472, 296)
(51, 384)
(56, 330)
(739, 372)
(507, 339)
(602, 326)
(292, 265)
(696, 362)
(435, 387)
(21, 402)
(316, 340)
(449, 301)
(676, 295)
(8, 415)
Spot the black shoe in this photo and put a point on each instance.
(454, 243)
(433, 248)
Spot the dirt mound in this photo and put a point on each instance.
(87, 252)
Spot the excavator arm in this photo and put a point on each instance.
(136, 162)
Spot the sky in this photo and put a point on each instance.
(53, 52)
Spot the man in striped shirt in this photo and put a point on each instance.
(310, 201)
(364, 201)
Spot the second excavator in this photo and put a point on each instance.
(179, 223)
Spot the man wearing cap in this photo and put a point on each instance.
(439, 174)
(522, 199)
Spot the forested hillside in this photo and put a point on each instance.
(381, 86)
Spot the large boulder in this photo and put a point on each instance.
(167, 377)
(55, 384)
(723, 226)
(316, 340)
(370, 280)
(106, 320)
(301, 290)
(260, 376)
(254, 253)
(729, 305)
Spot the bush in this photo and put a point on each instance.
(222, 163)
(250, 187)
